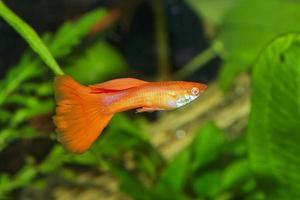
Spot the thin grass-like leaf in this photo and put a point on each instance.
(30, 36)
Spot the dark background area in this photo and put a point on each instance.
(133, 35)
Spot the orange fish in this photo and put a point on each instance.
(82, 112)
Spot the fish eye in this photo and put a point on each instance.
(195, 91)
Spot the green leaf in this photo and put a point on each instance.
(122, 122)
(9, 134)
(258, 196)
(236, 173)
(121, 128)
(54, 160)
(208, 185)
(250, 184)
(21, 179)
(25, 69)
(248, 27)
(236, 148)
(35, 108)
(131, 184)
(61, 44)
(274, 128)
(14, 128)
(175, 174)
(114, 143)
(70, 34)
(5, 185)
(212, 10)
(99, 62)
(38, 89)
(206, 146)
(30, 36)
(5, 115)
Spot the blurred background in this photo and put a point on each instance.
(240, 140)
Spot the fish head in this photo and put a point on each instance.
(185, 92)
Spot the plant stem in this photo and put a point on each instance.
(162, 40)
(199, 61)
(30, 36)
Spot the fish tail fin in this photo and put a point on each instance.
(80, 117)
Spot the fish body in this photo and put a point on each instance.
(83, 111)
(156, 95)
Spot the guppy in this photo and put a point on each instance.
(82, 112)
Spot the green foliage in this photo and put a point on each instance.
(209, 184)
(210, 167)
(175, 174)
(61, 44)
(204, 149)
(211, 10)
(131, 185)
(71, 33)
(274, 121)
(98, 62)
(26, 69)
(206, 146)
(248, 27)
(30, 36)
(194, 170)
(14, 128)
(236, 173)
(21, 179)
(33, 98)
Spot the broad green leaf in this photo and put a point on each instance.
(176, 173)
(30, 36)
(249, 26)
(274, 128)
(209, 184)
(99, 62)
(206, 146)
(236, 173)
(204, 149)
(173, 178)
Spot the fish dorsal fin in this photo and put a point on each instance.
(117, 85)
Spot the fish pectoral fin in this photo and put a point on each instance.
(116, 85)
(147, 109)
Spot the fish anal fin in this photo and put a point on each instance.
(116, 85)
(147, 109)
